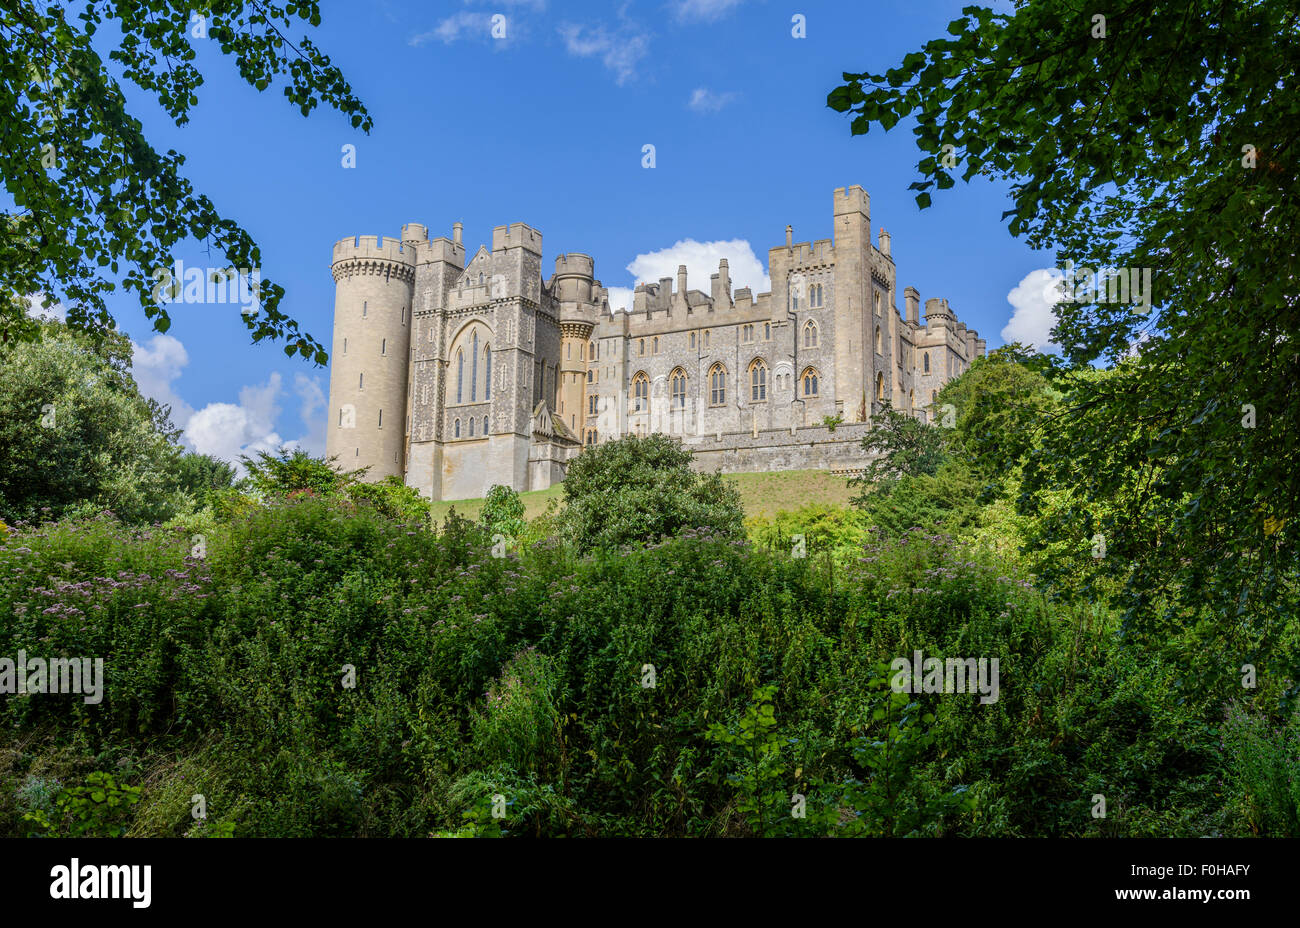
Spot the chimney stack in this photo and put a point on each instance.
(789, 237)
(722, 286)
(455, 233)
(884, 242)
(912, 297)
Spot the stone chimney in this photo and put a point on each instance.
(789, 237)
(912, 298)
(721, 289)
(455, 233)
(884, 242)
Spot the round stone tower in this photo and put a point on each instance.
(575, 289)
(373, 292)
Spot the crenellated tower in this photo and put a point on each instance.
(373, 287)
(574, 290)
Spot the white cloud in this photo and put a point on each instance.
(702, 10)
(704, 100)
(619, 50)
(312, 412)
(620, 298)
(155, 366)
(226, 430)
(1034, 299)
(701, 260)
(465, 24)
(468, 24)
(53, 311)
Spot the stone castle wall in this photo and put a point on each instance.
(496, 375)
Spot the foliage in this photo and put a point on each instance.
(292, 590)
(1120, 134)
(502, 512)
(391, 497)
(754, 745)
(76, 436)
(1264, 769)
(295, 471)
(893, 800)
(99, 809)
(900, 446)
(638, 490)
(93, 196)
(1003, 404)
(947, 501)
(201, 477)
(825, 529)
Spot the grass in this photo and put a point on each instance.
(763, 494)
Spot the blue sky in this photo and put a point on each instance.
(547, 127)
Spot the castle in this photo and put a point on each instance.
(456, 376)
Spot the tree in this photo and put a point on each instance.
(1002, 405)
(900, 446)
(201, 476)
(294, 471)
(636, 490)
(92, 194)
(503, 512)
(76, 436)
(1160, 136)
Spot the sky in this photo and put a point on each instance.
(547, 125)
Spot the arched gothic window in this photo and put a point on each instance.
(640, 392)
(473, 373)
(487, 373)
(758, 380)
(677, 381)
(810, 334)
(717, 385)
(810, 379)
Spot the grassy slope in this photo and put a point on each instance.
(762, 494)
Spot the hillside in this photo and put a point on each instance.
(763, 494)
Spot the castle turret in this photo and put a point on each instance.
(937, 314)
(574, 286)
(855, 361)
(373, 289)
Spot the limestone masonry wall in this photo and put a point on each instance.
(459, 375)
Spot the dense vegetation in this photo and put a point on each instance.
(311, 656)
(299, 652)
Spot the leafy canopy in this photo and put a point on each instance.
(1160, 135)
(640, 490)
(93, 197)
(76, 436)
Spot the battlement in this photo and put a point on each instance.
(441, 249)
(804, 254)
(852, 200)
(575, 264)
(517, 235)
(939, 315)
(373, 247)
(415, 232)
(937, 310)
